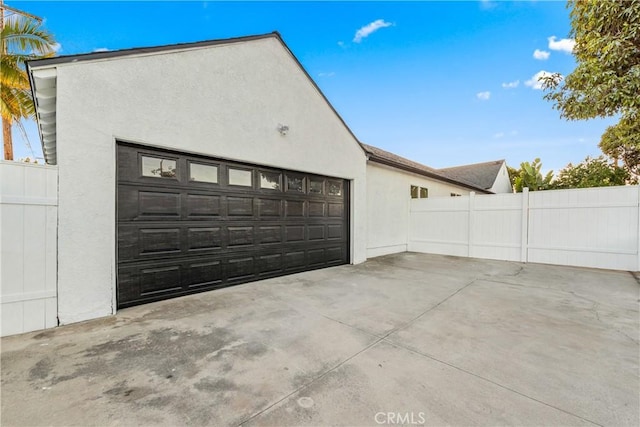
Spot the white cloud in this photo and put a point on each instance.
(57, 47)
(487, 4)
(101, 49)
(483, 96)
(498, 135)
(541, 55)
(511, 85)
(563, 45)
(341, 43)
(369, 29)
(329, 74)
(535, 82)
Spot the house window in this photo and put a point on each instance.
(203, 173)
(158, 167)
(414, 192)
(270, 180)
(419, 192)
(456, 195)
(240, 177)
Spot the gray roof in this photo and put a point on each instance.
(482, 175)
(385, 157)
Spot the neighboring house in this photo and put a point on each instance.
(491, 176)
(190, 167)
(391, 182)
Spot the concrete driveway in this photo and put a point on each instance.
(404, 339)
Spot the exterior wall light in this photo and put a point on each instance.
(283, 129)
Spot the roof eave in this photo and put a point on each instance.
(377, 159)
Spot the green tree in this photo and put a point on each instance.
(21, 39)
(529, 175)
(622, 143)
(598, 172)
(513, 173)
(606, 80)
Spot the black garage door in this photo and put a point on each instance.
(187, 223)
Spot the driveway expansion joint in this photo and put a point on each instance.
(377, 341)
(419, 353)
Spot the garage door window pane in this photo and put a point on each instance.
(240, 177)
(203, 173)
(295, 184)
(158, 167)
(424, 193)
(335, 188)
(414, 192)
(316, 187)
(270, 180)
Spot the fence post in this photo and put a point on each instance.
(524, 233)
(472, 197)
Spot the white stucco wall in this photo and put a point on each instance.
(224, 101)
(388, 196)
(502, 183)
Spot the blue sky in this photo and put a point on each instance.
(442, 83)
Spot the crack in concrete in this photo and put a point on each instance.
(377, 341)
(548, 288)
(517, 273)
(395, 344)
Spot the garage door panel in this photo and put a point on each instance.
(127, 203)
(197, 227)
(317, 209)
(239, 206)
(156, 203)
(240, 268)
(156, 280)
(316, 232)
(336, 210)
(294, 260)
(200, 238)
(269, 234)
(204, 274)
(335, 231)
(239, 236)
(201, 206)
(336, 255)
(270, 208)
(294, 208)
(128, 288)
(268, 264)
(294, 233)
(316, 256)
(159, 240)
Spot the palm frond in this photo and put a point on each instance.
(16, 104)
(21, 39)
(11, 74)
(24, 35)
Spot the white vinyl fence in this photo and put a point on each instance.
(592, 227)
(28, 247)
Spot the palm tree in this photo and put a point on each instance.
(21, 39)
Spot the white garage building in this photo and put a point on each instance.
(191, 167)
